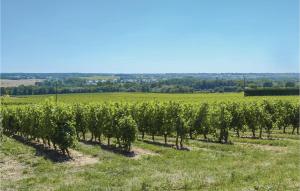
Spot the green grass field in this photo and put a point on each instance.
(247, 164)
(137, 97)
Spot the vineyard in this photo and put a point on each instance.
(62, 124)
(133, 98)
(149, 95)
(218, 130)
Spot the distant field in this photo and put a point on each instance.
(15, 83)
(138, 97)
(100, 77)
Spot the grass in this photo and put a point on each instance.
(207, 166)
(247, 164)
(138, 97)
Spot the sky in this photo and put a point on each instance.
(150, 36)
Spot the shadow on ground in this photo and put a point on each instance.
(111, 148)
(44, 151)
(164, 145)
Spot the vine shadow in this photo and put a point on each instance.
(110, 148)
(214, 141)
(157, 143)
(46, 152)
(168, 145)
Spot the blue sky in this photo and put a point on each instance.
(149, 36)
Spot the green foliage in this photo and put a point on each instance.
(178, 122)
(91, 120)
(48, 122)
(128, 130)
(221, 120)
(61, 124)
(141, 116)
(251, 117)
(271, 91)
(201, 123)
(8, 121)
(238, 117)
(64, 134)
(269, 116)
(106, 122)
(139, 98)
(188, 113)
(156, 118)
(295, 118)
(80, 120)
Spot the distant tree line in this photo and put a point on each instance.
(176, 85)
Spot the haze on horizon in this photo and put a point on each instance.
(150, 36)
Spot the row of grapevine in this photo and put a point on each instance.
(49, 123)
(61, 124)
(182, 120)
(108, 120)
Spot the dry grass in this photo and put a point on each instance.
(264, 147)
(11, 169)
(15, 83)
(139, 152)
(79, 159)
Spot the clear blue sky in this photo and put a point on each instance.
(150, 36)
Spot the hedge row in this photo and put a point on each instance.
(272, 92)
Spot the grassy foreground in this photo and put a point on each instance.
(248, 164)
